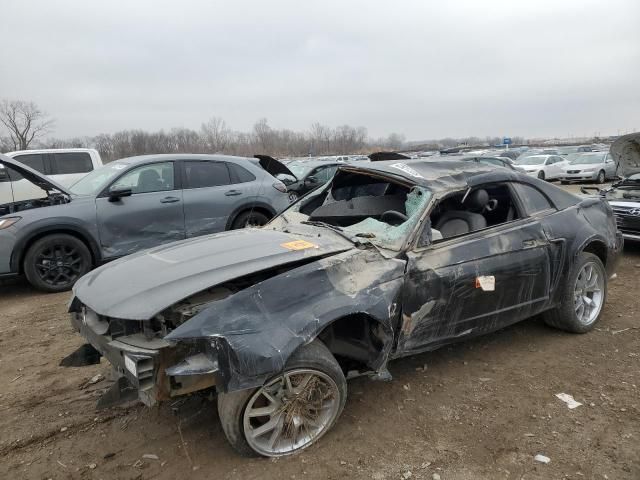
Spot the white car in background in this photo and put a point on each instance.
(545, 167)
(64, 166)
(594, 166)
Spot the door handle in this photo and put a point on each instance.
(170, 200)
(233, 193)
(532, 243)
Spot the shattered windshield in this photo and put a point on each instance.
(299, 169)
(361, 207)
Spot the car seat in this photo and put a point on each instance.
(149, 181)
(459, 222)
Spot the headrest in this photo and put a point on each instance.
(477, 199)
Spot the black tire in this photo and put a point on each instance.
(250, 218)
(541, 175)
(564, 316)
(602, 176)
(55, 262)
(231, 406)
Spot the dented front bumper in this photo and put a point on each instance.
(156, 369)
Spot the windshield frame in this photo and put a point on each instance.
(584, 155)
(543, 157)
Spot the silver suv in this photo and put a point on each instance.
(127, 206)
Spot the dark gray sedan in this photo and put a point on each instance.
(127, 206)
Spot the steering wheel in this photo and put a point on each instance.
(393, 217)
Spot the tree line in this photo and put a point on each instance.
(27, 126)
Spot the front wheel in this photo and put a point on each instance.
(583, 296)
(291, 411)
(541, 175)
(250, 219)
(55, 262)
(601, 177)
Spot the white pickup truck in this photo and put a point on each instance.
(65, 166)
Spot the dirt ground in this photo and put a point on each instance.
(477, 410)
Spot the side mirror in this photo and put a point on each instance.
(116, 194)
(311, 180)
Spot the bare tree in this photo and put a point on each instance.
(24, 121)
(215, 135)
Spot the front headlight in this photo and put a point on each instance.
(7, 222)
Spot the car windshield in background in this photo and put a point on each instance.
(298, 169)
(95, 181)
(530, 160)
(581, 159)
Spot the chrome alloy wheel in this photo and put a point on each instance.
(291, 412)
(588, 294)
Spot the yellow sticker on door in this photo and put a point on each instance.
(299, 245)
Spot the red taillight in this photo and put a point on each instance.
(281, 187)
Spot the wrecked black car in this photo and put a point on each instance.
(386, 260)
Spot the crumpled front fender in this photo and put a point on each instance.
(256, 330)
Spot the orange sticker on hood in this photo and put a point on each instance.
(299, 245)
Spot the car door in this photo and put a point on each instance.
(609, 166)
(22, 188)
(475, 283)
(152, 215)
(6, 192)
(68, 167)
(209, 196)
(559, 164)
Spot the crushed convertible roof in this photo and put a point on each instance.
(436, 174)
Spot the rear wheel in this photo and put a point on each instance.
(583, 297)
(55, 262)
(291, 411)
(601, 177)
(249, 219)
(541, 175)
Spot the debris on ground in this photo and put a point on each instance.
(569, 400)
(542, 458)
(95, 379)
(150, 456)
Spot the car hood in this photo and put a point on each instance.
(626, 153)
(141, 285)
(32, 175)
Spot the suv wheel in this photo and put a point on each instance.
(249, 219)
(583, 296)
(289, 412)
(55, 262)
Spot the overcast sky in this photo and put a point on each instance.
(421, 68)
